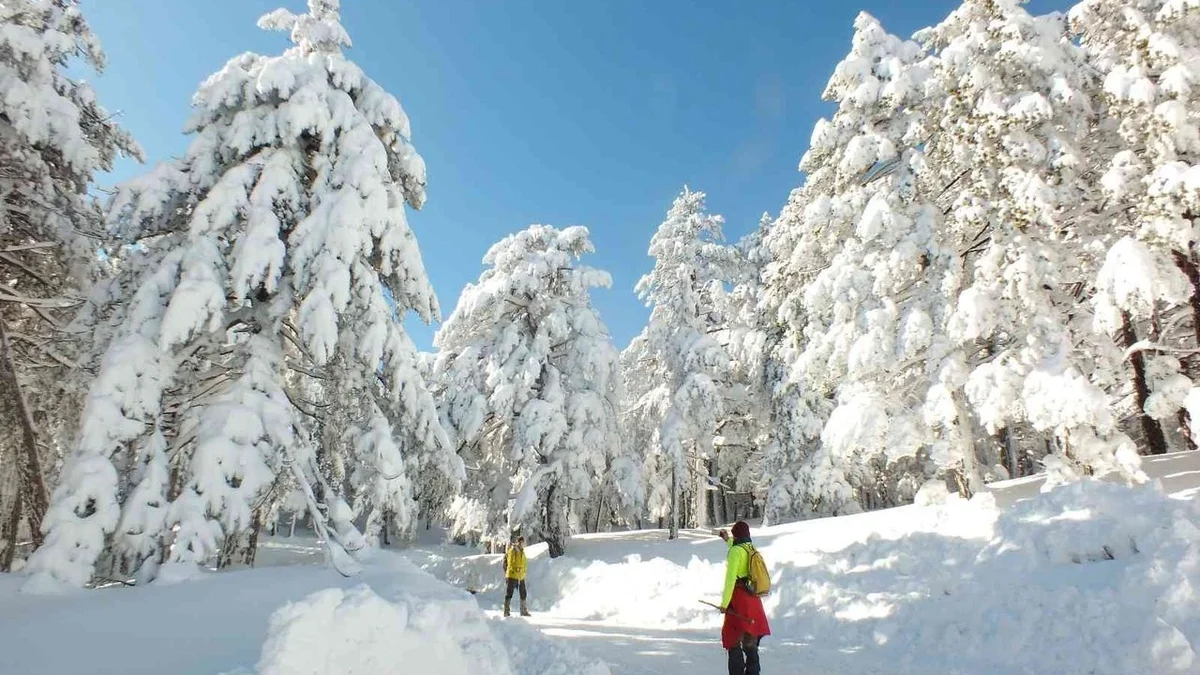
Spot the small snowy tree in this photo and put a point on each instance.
(54, 137)
(690, 264)
(278, 231)
(529, 387)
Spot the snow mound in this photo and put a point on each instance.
(1081, 522)
(357, 631)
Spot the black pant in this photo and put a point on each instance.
(743, 659)
(513, 584)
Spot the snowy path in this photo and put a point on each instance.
(646, 651)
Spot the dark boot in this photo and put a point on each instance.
(737, 661)
(524, 609)
(507, 602)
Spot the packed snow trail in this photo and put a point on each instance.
(631, 650)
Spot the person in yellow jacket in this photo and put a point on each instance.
(514, 575)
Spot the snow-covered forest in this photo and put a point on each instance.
(988, 269)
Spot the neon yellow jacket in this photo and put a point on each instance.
(737, 566)
(514, 563)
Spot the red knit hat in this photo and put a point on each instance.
(741, 530)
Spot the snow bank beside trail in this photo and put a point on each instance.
(1091, 578)
(357, 631)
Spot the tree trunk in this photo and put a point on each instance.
(1156, 441)
(1185, 428)
(1011, 462)
(17, 432)
(718, 496)
(673, 533)
(599, 511)
(251, 551)
(1192, 272)
(9, 533)
(970, 481)
(1187, 265)
(555, 532)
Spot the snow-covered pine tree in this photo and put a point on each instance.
(1148, 292)
(798, 410)
(284, 222)
(529, 387)
(872, 309)
(1010, 171)
(858, 278)
(690, 263)
(54, 137)
(644, 402)
(737, 482)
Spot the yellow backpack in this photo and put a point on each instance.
(759, 581)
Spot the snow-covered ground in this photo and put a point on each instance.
(1092, 578)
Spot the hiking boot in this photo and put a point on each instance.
(524, 610)
(506, 610)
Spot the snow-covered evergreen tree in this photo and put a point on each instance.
(690, 265)
(1009, 167)
(1148, 291)
(277, 232)
(862, 243)
(54, 137)
(798, 410)
(872, 310)
(737, 482)
(530, 389)
(642, 409)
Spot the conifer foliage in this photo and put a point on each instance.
(529, 384)
(54, 136)
(989, 270)
(259, 356)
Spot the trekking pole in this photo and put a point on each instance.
(729, 611)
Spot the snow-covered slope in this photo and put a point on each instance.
(294, 620)
(1093, 578)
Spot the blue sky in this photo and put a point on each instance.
(557, 112)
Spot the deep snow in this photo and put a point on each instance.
(1094, 578)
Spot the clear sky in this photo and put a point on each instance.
(554, 111)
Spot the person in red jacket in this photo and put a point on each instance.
(745, 620)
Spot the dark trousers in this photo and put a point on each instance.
(512, 585)
(743, 659)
